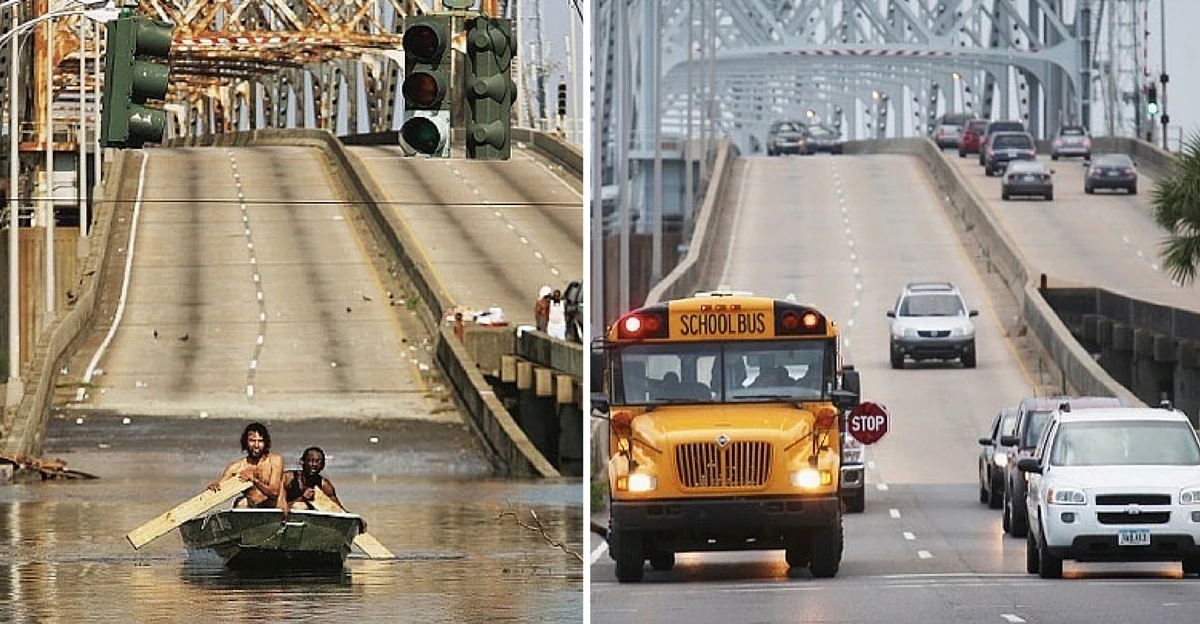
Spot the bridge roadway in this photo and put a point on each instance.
(925, 550)
(494, 231)
(1108, 239)
(249, 294)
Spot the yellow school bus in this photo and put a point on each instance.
(724, 413)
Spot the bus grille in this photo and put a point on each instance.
(738, 465)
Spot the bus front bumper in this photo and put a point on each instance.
(726, 514)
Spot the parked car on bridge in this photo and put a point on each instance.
(1032, 415)
(787, 137)
(994, 127)
(993, 457)
(1119, 484)
(930, 320)
(1071, 141)
(1028, 177)
(1005, 147)
(1111, 171)
(825, 139)
(968, 141)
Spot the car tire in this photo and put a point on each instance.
(1049, 566)
(1031, 555)
(857, 501)
(1133, 190)
(984, 490)
(968, 357)
(1006, 505)
(1050, 196)
(629, 556)
(662, 560)
(825, 544)
(1191, 565)
(1088, 189)
(1004, 195)
(995, 495)
(1054, 157)
(962, 154)
(897, 359)
(1019, 523)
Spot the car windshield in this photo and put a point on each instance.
(729, 372)
(939, 304)
(1123, 443)
(787, 127)
(821, 132)
(1072, 131)
(1026, 167)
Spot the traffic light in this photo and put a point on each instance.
(490, 89)
(1152, 100)
(135, 71)
(425, 129)
(562, 99)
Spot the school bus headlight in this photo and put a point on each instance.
(806, 478)
(642, 483)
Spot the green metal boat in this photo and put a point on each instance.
(260, 539)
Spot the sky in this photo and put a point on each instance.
(1183, 49)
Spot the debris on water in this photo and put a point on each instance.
(203, 414)
(126, 420)
(374, 439)
(333, 364)
(79, 421)
(102, 445)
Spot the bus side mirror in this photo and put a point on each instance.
(851, 381)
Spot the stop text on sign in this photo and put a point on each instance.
(868, 422)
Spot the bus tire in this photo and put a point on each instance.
(662, 560)
(629, 555)
(826, 543)
(799, 551)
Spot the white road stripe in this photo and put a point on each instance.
(1008, 617)
(894, 513)
(924, 554)
(882, 487)
(596, 554)
(909, 536)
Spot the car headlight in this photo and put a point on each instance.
(1066, 496)
(642, 482)
(809, 478)
(1000, 459)
(1190, 496)
(903, 331)
(963, 331)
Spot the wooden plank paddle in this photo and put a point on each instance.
(365, 541)
(187, 510)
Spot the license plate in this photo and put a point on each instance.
(1133, 537)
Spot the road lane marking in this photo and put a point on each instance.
(909, 536)
(1009, 617)
(882, 487)
(894, 513)
(112, 331)
(596, 554)
(924, 554)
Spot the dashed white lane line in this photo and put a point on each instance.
(909, 536)
(1009, 617)
(924, 554)
(596, 554)
(894, 513)
(882, 487)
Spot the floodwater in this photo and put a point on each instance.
(424, 489)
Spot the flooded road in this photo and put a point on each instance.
(423, 487)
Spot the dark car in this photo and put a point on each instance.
(992, 128)
(1005, 147)
(824, 139)
(1032, 415)
(1071, 141)
(787, 137)
(1111, 171)
(968, 141)
(1028, 177)
(993, 457)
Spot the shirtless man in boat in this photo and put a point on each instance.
(260, 466)
(297, 491)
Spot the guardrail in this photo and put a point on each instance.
(1079, 370)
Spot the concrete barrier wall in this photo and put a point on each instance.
(685, 279)
(119, 187)
(1082, 374)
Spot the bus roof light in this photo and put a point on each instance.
(633, 324)
(811, 320)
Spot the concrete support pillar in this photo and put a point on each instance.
(1116, 355)
(570, 439)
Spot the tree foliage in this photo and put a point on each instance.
(1176, 204)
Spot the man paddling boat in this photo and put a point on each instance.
(262, 468)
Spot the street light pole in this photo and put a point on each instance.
(15, 390)
(1162, 16)
(82, 138)
(48, 188)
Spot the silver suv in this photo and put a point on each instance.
(931, 321)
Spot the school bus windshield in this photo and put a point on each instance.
(724, 372)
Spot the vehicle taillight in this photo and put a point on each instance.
(1127, 171)
(1087, 143)
(1057, 142)
(642, 325)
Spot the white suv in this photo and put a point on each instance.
(1113, 484)
(931, 321)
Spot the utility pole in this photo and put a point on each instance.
(1163, 78)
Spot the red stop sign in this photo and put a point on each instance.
(868, 422)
